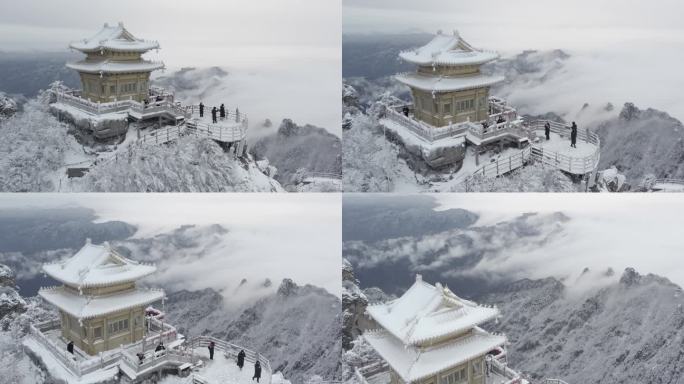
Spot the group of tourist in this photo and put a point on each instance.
(573, 133)
(240, 361)
(220, 111)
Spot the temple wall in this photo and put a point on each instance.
(454, 107)
(112, 87)
(115, 56)
(472, 371)
(95, 335)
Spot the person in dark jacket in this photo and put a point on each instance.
(405, 110)
(160, 347)
(241, 359)
(223, 111)
(70, 347)
(213, 115)
(201, 109)
(211, 350)
(573, 135)
(547, 131)
(257, 371)
(141, 357)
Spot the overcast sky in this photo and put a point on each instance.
(623, 50)
(643, 231)
(269, 46)
(270, 235)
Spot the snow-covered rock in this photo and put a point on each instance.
(354, 304)
(611, 180)
(8, 107)
(6, 276)
(294, 148)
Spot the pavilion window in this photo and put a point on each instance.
(112, 89)
(447, 109)
(460, 376)
(97, 332)
(477, 368)
(118, 326)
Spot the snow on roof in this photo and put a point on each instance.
(97, 265)
(425, 312)
(413, 364)
(448, 50)
(447, 84)
(85, 307)
(114, 38)
(109, 66)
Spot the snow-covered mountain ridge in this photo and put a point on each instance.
(630, 331)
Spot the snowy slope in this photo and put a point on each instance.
(190, 165)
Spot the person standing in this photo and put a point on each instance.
(573, 135)
(223, 111)
(257, 371)
(211, 350)
(201, 109)
(213, 115)
(547, 131)
(70, 347)
(241, 359)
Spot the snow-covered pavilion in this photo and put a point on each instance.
(114, 68)
(430, 335)
(448, 86)
(99, 304)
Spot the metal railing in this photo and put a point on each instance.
(553, 381)
(161, 135)
(504, 165)
(424, 130)
(571, 164)
(220, 132)
(232, 350)
(502, 369)
(323, 175)
(668, 181)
